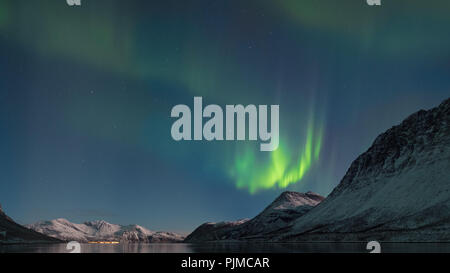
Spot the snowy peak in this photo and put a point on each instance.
(278, 215)
(102, 228)
(288, 207)
(138, 228)
(291, 199)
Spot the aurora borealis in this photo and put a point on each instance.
(86, 94)
(285, 166)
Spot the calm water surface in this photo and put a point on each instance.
(232, 248)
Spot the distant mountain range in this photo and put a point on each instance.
(102, 231)
(398, 190)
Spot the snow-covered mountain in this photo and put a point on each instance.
(102, 230)
(11, 232)
(277, 216)
(398, 190)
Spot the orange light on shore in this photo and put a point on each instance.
(104, 242)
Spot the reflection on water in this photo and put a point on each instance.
(232, 248)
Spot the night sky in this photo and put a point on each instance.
(86, 94)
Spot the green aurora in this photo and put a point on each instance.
(281, 167)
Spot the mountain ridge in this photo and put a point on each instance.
(101, 230)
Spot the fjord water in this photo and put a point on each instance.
(322, 247)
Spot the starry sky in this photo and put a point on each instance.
(86, 94)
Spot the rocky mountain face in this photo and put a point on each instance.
(101, 230)
(277, 216)
(398, 190)
(11, 232)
